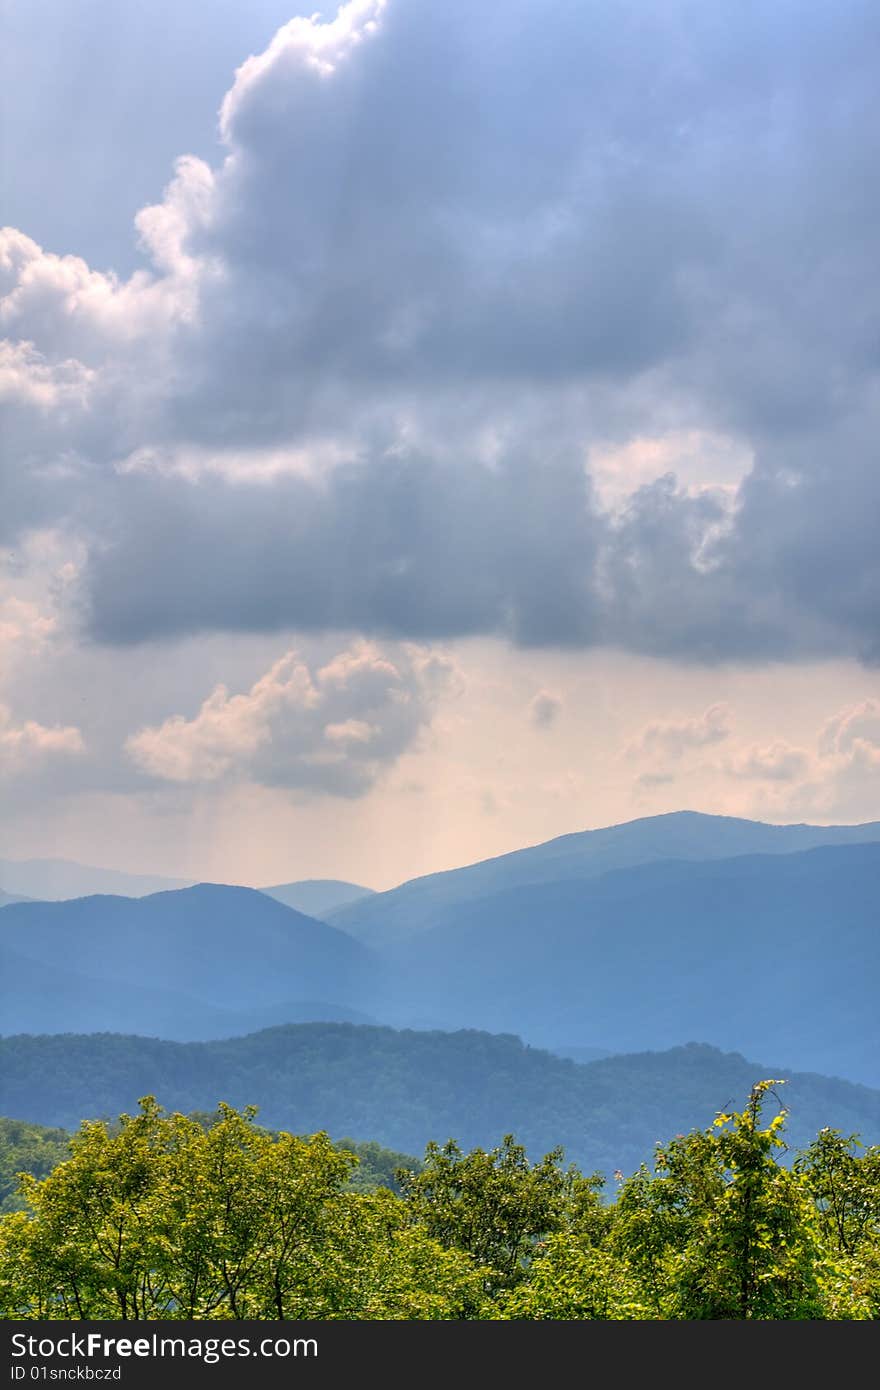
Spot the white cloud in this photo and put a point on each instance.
(775, 762)
(331, 731)
(858, 723)
(24, 627)
(835, 776)
(167, 228)
(31, 626)
(302, 48)
(27, 746)
(697, 458)
(673, 739)
(837, 780)
(26, 377)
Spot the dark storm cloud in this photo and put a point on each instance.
(411, 548)
(556, 223)
(396, 546)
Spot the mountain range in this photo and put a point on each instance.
(57, 880)
(624, 940)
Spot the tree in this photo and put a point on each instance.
(176, 1217)
(212, 1217)
(93, 1245)
(165, 1218)
(722, 1230)
(845, 1187)
(494, 1205)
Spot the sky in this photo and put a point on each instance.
(429, 428)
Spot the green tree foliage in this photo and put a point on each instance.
(845, 1187)
(571, 1279)
(169, 1216)
(721, 1229)
(493, 1205)
(377, 1167)
(165, 1217)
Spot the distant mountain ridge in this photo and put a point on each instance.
(7, 898)
(60, 880)
(56, 880)
(210, 957)
(317, 896)
(400, 912)
(405, 1088)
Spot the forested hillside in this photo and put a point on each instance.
(404, 1088)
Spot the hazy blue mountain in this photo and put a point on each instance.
(404, 1088)
(317, 896)
(689, 835)
(191, 963)
(773, 955)
(36, 997)
(53, 880)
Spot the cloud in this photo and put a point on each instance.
(836, 789)
(673, 739)
(859, 723)
(396, 545)
(331, 731)
(694, 457)
(777, 762)
(649, 780)
(28, 746)
(544, 709)
(448, 253)
(304, 49)
(835, 780)
(24, 627)
(853, 790)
